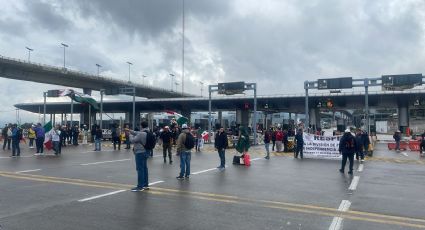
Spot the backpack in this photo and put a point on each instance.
(349, 144)
(189, 143)
(150, 140)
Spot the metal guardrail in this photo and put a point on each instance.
(83, 74)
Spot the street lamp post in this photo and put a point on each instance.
(143, 79)
(177, 84)
(64, 46)
(29, 52)
(202, 87)
(129, 64)
(172, 76)
(98, 67)
(44, 108)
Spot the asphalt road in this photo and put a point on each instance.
(83, 189)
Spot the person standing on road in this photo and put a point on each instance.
(39, 141)
(347, 146)
(127, 137)
(221, 144)
(299, 145)
(98, 135)
(138, 139)
(422, 144)
(55, 137)
(279, 139)
(267, 139)
(273, 138)
(359, 146)
(185, 142)
(16, 138)
(243, 141)
(31, 136)
(115, 136)
(365, 143)
(75, 134)
(166, 136)
(7, 136)
(397, 139)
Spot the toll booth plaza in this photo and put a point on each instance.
(84, 189)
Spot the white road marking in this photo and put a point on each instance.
(404, 154)
(207, 170)
(16, 157)
(337, 221)
(99, 196)
(360, 169)
(104, 162)
(156, 182)
(354, 183)
(25, 171)
(256, 159)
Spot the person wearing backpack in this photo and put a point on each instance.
(185, 142)
(347, 147)
(220, 144)
(139, 139)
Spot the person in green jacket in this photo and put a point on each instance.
(243, 142)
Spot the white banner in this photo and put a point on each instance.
(323, 147)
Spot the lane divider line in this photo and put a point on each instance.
(32, 170)
(104, 162)
(337, 221)
(156, 182)
(256, 159)
(99, 196)
(354, 183)
(360, 169)
(206, 170)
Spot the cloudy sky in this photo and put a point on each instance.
(277, 43)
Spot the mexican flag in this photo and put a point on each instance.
(179, 118)
(47, 141)
(79, 97)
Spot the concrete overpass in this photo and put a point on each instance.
(400, 100)
(29, 71)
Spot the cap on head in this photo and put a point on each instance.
(184, 126)
(398, 131)
(347, 131)
(166, 127)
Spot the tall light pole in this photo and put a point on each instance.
(143, 79)
(98, 67)
(202, 87)
(182, 48)
(177, 84)
(172, 76)
(29, 52)
(64, 46)
(129, 64)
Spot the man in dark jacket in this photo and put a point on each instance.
(273, 138)
(221, 145)
(166, 136)
(347, 147)
(115, 134)
(422, 144)
(359, 145)
(299, 144)
(365, 143)
(397, 139)
(267, 139)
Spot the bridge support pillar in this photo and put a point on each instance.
(314, 118)
(220, 118)
(403, 118)
(242, 117)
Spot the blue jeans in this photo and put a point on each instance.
(185, 163)
(97, 144)
(15, 147)
(267, 146)
(222, 155)
(142, 169)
